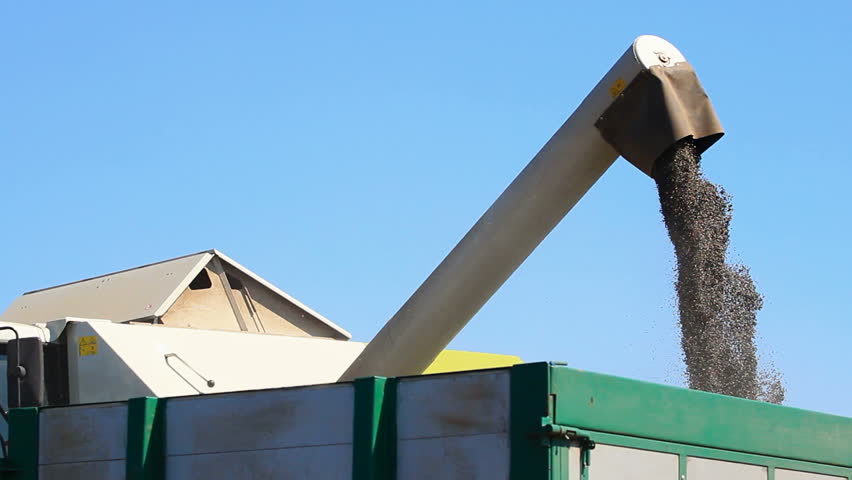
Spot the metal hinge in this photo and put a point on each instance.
(557, 435)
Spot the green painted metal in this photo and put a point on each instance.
(685, 451)
(146, 439)
(22, 463)
(618, 405)
(558, 464)
(529, 409)
(374, 429)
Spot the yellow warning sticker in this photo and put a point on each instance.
(89, 345)
(617, 87)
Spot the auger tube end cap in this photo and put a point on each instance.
(651, 50)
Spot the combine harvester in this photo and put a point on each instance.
(196, 368)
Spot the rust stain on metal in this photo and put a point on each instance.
(477, 393)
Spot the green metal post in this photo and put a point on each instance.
(374, 429)
(22, 463)
(146, 439)
(530, 409)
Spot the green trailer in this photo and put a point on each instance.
(529, 421)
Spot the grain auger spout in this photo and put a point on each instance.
(649, 100)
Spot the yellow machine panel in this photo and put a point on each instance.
(457, 361)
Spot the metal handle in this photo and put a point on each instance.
(210, 383)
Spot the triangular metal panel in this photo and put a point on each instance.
(134, 294)
(227, 261)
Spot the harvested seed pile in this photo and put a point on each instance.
(717, 302)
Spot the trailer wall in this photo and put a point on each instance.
(531, 421)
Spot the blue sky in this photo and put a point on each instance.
(341, 150)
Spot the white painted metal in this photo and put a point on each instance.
(130, 361)
(230, 261)
(453, 426)
(453, 405)
(271, 419)
(544, 192)
(101, 470)
(575, 463)
(24, 331)
(650, 48)
(140, 360)
(330, 462)
(105, 376)
(137, 294)
(85, 433)
(610, 462)
(292, 433)
(223, 277)
(121, 296)
(470, 457)
(708, 469)
(783, 474)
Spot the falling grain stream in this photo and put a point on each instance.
(717, 301)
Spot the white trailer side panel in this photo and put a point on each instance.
(88, 441)
(474, 403)
(465, 457)
(782, 474)
(106, 470)
(332, 462)
(305, 432)
(621, 463)
(708, 469)
(454, 426)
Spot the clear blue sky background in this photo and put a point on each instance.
(341, 150)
